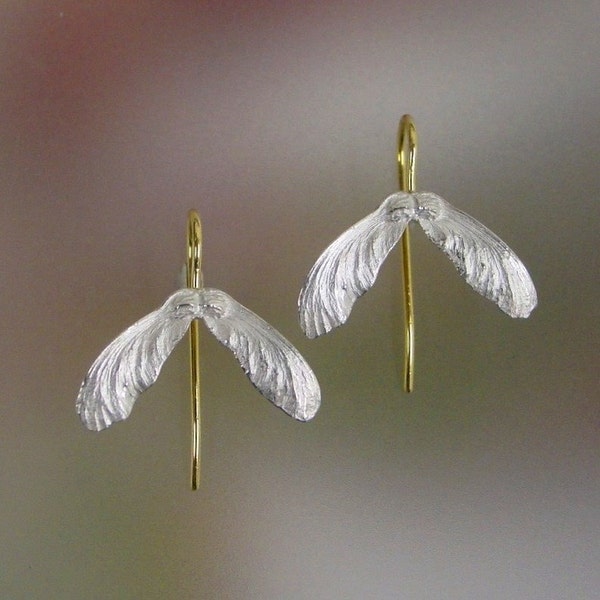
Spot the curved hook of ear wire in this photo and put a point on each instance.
(194, 280)
(407, 156)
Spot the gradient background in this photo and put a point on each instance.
(277, 120)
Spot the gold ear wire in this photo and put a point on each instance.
(194, 280)
(407, 157)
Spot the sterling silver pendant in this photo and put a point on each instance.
(349, 266)
(132, 362)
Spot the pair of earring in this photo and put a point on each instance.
(344, 271)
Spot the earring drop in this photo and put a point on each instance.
(349, 266)
(131, 363)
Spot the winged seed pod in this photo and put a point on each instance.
(349, 266)
(131, 363)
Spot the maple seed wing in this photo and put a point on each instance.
(488, 265)
(346, 270)
(129, 365)
(270, 361)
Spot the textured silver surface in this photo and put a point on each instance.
(132, 362)
(349, 266)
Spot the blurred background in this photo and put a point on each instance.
(277, 121)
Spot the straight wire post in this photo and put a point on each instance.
(407, 156)
(194, 280)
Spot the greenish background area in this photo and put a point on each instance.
(277, 121)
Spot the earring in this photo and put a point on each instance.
(349, 266)
(131, 363)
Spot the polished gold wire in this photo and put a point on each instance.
(194, 280)
(407, 156)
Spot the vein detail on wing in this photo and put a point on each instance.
(131, 363)
(272, 364)
(487, 264)
(346, 270)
